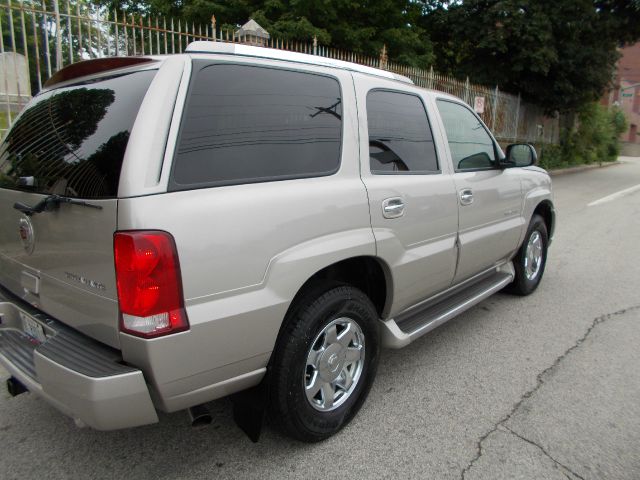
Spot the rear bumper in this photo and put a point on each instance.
(82, 378)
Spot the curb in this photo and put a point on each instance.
(582, 168)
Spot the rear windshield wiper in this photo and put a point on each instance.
(50, 203)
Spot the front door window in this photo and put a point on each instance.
(471, 146)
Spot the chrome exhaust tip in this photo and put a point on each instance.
(199, 416)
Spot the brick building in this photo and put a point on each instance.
(626, 94)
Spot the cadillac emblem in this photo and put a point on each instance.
(27, 237)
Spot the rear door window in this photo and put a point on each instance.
(400, 138)
(247, 124)
(71, 141)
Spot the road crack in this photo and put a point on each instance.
(539, 382)
(559, 465)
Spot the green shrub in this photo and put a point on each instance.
(551, 157)
(595, 140)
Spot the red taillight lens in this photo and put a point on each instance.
(149, 284)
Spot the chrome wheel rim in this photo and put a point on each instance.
(334, 364)
(533, 256)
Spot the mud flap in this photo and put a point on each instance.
(249, 407)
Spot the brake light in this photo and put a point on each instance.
(149, 284)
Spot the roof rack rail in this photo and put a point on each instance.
(272, 53)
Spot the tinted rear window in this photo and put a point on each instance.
(72, 140)
(247, 124)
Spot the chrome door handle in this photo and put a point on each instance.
(466, 196)
(393, 207)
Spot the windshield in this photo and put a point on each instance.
(71, 141)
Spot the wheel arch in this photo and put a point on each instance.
(367, 273)
(547, 212)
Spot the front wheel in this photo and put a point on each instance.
(531, 258)
(325, 363)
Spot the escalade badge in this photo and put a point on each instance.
(27, 236)
(85, 281)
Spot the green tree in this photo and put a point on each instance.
(357, 26)
(559, 55)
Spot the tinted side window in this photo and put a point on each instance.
(470, 144)
(71, 141)
(400, 139)
(247, 124)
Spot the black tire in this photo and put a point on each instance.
(289, 407)
(522, 285)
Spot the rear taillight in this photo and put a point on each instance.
(149, 284)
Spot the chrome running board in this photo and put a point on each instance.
(399, 332)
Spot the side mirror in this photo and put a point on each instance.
(520, 155)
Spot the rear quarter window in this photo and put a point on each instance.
(247, 124)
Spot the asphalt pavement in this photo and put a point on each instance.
(546, 386)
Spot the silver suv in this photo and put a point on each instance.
(243, 221)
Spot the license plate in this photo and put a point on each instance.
(32, 328)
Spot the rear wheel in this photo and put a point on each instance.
(531, 259)
(324, 363)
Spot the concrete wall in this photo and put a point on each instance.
(630, 149)
(15, 87)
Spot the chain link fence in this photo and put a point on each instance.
(508, 117)
(38, 38)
